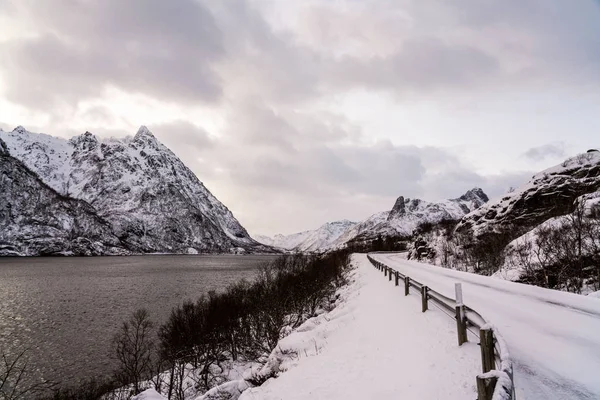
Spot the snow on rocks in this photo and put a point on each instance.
(405, 216)
(152, 201)
(322, 238)
(547, 194)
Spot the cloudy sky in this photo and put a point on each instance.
(294, 113)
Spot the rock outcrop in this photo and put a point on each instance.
(548, 194)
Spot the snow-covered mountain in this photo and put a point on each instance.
(407, 214)
(548, 194)
(400, 221)
(150, 199)
(319, 239)
(36, 220)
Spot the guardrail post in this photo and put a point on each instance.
(397, 277)
(390, 275)
(406, 285)
(385, 271)
(486, 339)
(461, 323)
(424, 298)
(485, 387)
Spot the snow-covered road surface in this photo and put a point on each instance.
(379, 345)
(553, 337)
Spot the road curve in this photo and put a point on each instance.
(553, 337)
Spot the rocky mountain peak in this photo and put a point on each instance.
(20, 129)
(85, 141)
(144, 136)
(475, 195)
(399, 208)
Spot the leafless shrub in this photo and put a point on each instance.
(133, 347)
(16, 381)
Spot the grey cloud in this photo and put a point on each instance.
(204, 51)
(324, 180)
(420, 64)
(540, 153)
(161, 49)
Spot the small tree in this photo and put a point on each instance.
(16, 378)
(134, 348)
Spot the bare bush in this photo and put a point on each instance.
(133, 347)
(16, 380)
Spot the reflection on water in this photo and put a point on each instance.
(65, 310)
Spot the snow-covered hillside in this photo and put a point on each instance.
(408, 214)
(152, 201)
(400, 221)
(36, 220)
(542, 255)
(320, 239)
(548, 194)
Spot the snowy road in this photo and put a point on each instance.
(553, 337)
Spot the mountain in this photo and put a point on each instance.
(408, 214)
(149, 198)
(404, 217)
(36, 220)
(548, 194)
(320, 239)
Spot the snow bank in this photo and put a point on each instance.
(377, 344)
(149, 394)
(552, 335)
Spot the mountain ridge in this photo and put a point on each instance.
(404, 217)
(152, 201)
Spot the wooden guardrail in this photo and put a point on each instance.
(496, 382)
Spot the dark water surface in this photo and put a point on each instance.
(66, 310)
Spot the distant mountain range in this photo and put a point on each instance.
(404, 217)
(323, 238)
(87, 196)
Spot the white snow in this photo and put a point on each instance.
(149, 394)
(319, 239)
(552, 336)
(594, 294)
(376, 345)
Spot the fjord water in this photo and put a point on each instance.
(65, 310)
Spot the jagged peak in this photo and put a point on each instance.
(144, 134)
(20, 129)
(474, 194)
(399, 208)
(86, 140)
